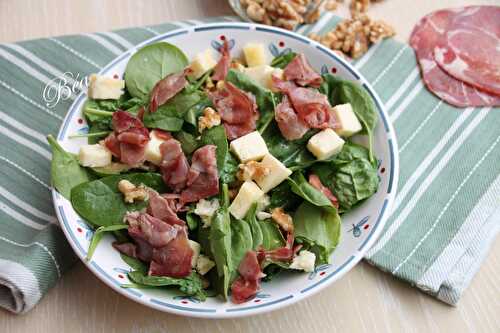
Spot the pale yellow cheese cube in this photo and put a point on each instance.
(349, 123)
(325, 144)
(94, 156)
(248, 194)
(255, 54)
(201, 63)
(278, 172)
(196, 247)
(101, 87)
(249, 147)
(152, 152)
(263, 75)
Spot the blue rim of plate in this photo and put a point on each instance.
(283, 301)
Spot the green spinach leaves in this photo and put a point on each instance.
(351, 176)
(151, 64)
(341, 91)
(66, 172)
(101, 203)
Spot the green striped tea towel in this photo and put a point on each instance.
(443, 221)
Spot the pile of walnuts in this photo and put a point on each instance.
(353, 36)
(287, 14)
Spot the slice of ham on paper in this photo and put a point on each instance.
(174, 259)
(247, 284)
(222, 67)
(423, 40)
(237, 108)
(203, 177)
(470, 48)
(316, 183)
(129, 140)
(299, 71)
(290, 125)
(167, 88)
(174, 165)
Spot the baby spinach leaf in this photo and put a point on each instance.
(188, 141)
(112, 169)
(282, 196)
(66, 172)
(151, 64)
(300, 186)
(97, 237)
(241, 242)
(190, 285)
(318, 228)
(101, 203)
(193, 220)
(170, 116)
(264, 98)
(195, 111)
(135, 264)
(271, 235)
(220, 244)
(342, 91)
(351, 177)
(256, 231)
(226, 163)
(283, 59)
(294, 153)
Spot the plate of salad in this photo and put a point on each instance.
(224, 170)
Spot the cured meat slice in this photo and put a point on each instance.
(174, 166)
(299, 71)
(237, 108)
(470, 48)
(424, 38)
(166, 88)
(311, 106)
(151, 229)
(248, 283)
(291, 127)
(174, 259)
(163, 209)
(222, 67)
(129, 140)
(316, 183)
(203, 177)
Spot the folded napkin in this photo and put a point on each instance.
(443, 221)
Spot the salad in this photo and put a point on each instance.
(217, 173)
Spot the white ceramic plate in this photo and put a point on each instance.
(360, 227)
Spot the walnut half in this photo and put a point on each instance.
(131, 192)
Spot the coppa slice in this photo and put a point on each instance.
(423, 39)
(470, 48)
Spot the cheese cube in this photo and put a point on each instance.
(262, 75)
(94, 156)
(278, 172)
(255, 54)
(204, 264)
(152, 152)
(249, 147)
(196, 247)
(201, 63)
(101, 87)
(349, 123)
(325, 144)
(304, 261)
(248, 194)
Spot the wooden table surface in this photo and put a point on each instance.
(365, 300)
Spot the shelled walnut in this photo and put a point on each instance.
(354, 36)
(286, 14)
